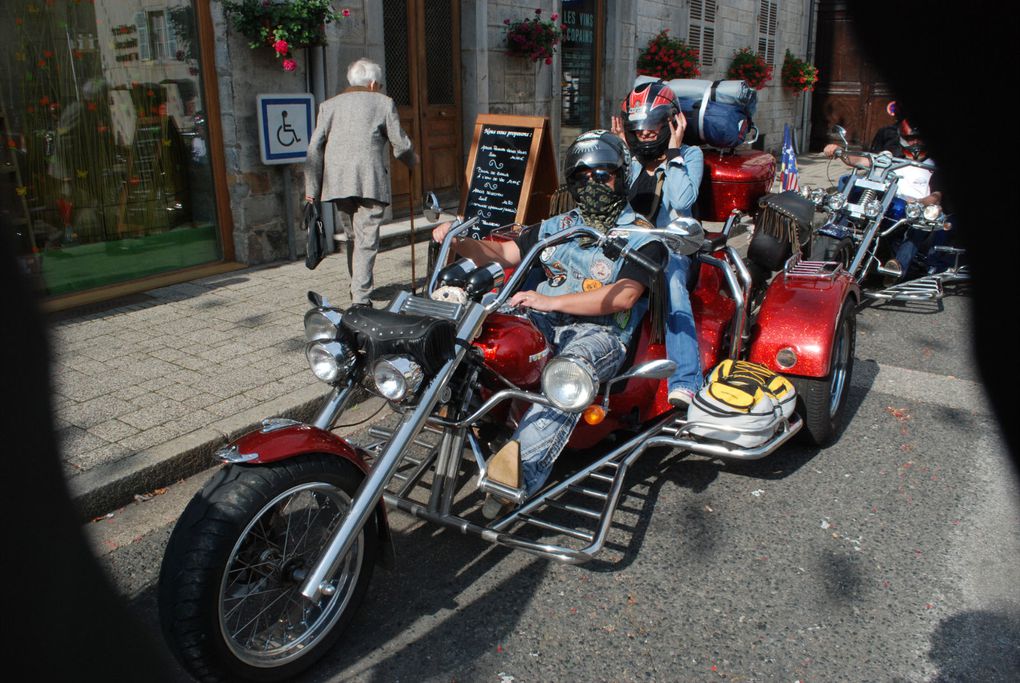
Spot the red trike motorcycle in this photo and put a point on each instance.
(272, 557)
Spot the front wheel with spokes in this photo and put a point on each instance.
(229, 586)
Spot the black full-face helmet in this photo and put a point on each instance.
(649, 106)
(910, 140)
(598, 150)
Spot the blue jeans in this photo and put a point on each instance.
(922, 241)
(544, 431)
(681, 337)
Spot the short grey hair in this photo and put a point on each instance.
(363, 72)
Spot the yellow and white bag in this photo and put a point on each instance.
(742, 403)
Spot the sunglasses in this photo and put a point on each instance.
(600, 175)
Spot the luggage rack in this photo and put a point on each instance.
(795, 267)
(577, 511)
(927, 288)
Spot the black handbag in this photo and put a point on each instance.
(315, 250)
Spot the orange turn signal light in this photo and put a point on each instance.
(594, 414)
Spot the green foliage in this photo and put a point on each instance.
(668, 58)
(298, 22)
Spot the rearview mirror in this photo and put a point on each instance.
(841, 132)
(430, 207)
(684, 235)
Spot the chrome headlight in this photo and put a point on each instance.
(836, 201)
(914, 209)
(322, 324)
(817, 196)
(330, 361)
(397, 377)
(873, 208)
(932, 212)
(569, 384)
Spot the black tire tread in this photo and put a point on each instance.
(202, 540)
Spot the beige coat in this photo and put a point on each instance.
(348, 154)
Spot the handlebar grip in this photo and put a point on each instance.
(645, 263)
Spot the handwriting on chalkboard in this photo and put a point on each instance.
(497, 176)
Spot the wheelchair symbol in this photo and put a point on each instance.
(284, 129)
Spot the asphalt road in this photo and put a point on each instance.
(889, 556)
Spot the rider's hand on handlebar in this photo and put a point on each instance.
(533, 300)
(830, 149)
(439, 232)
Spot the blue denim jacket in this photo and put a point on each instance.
(571, 268)
(680, 188)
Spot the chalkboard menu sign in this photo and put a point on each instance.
(498, 175)
(511, 172)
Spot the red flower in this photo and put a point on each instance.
(281, 47)
(548, 60)
(289, 65)
(346, 12)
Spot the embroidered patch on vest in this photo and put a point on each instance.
(557, 280)
(601, 269)
(547, 254)
(590, 285)
(622, 318)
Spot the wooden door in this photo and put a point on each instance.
(850, 92)
(422, 45)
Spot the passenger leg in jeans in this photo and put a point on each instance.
(543, 432)
(681, 335)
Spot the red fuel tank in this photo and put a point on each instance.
(513, 347)
(734, 180)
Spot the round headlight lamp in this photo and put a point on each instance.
(569, 384)
(328, 360)
(817, 196)
(786, 358)
(836, 201)
(397, 377)
(322, 324)
(873, 208)
(913, 209)
(932, 212)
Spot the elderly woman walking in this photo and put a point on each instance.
(348, 164)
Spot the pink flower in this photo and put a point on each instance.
(506, 21)
(289, 65)
(346, 13)
(548, 60)
(554, 17)
(538, 10)
(281, 47)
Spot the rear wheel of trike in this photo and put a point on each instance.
(229, 598)
(821, 402)
(826, 248)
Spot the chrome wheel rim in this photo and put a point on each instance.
(263, 618)
(841, 358)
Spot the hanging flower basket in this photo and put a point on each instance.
(534, 38)
(750, 67)
(283, 25)
(668, 58)
(798, 75)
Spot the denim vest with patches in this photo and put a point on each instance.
(571, 268)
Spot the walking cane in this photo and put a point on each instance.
(410, 175)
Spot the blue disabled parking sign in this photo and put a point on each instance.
(285, 124)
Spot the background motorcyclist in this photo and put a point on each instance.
(665, 176)
(915, 184)
(586, 305)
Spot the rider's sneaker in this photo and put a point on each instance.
(680, 397)
(495, 506)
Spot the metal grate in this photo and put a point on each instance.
(398, 77)
(438, 56)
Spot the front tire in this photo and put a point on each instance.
(822, 402)
(826, 248)
(228, 588)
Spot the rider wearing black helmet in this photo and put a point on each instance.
(585, 304)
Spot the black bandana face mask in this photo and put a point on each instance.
(599, 205)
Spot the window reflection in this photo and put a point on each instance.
(105, 175)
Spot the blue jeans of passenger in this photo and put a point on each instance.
(681, 336)
(543, 432)
(922, 241)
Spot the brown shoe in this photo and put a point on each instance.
(504, 468)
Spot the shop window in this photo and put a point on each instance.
(580, 67)
(106, 164)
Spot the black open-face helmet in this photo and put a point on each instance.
(597, 150)
(649, 106)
